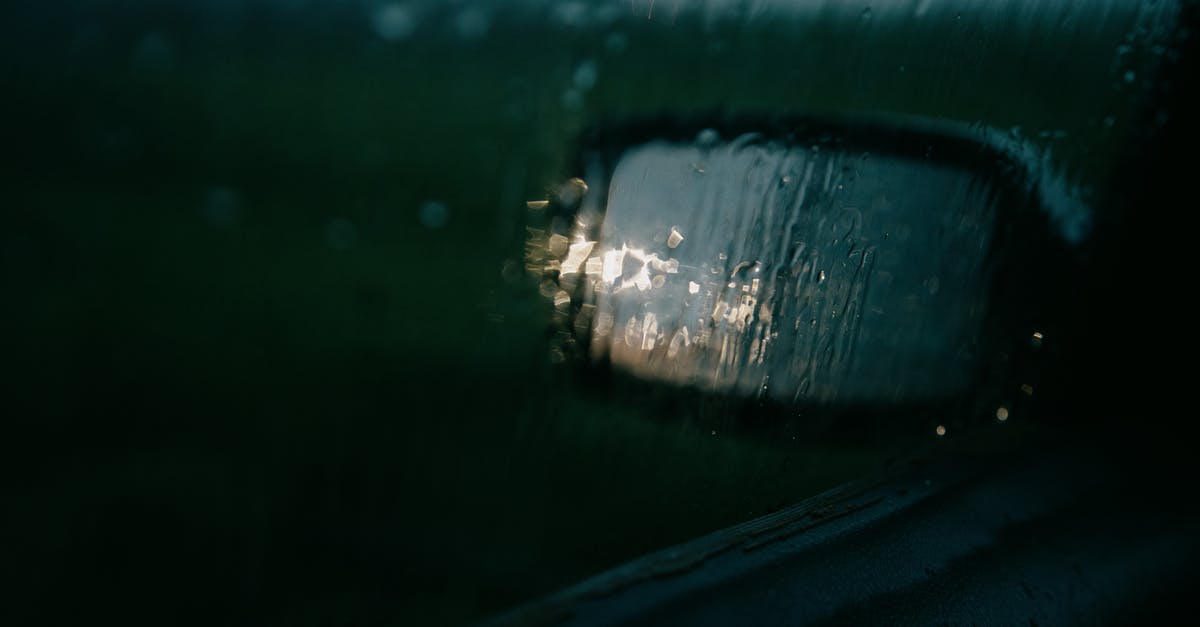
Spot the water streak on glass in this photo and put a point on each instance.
(759, 267)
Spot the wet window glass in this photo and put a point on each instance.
(422, 312)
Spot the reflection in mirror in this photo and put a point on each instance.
(804, 271)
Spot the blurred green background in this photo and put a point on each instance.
(272, 355)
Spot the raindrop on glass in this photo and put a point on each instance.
(434, 214)
(341, 234)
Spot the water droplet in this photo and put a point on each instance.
(572, 99)
(577, 257)
(674, 239)
(940, 430)
(649, 332)
(572, 191)
(434, 214)
(585, 75)
(472, 23)
(222, 206)
(394, 22)
(341, 233)
(1002, 414)
(1027, 389)
(153, 55)
(571, 14)
(616, 43)
(707, 138)
(558, 245)
(612, 267)
(511, 271)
